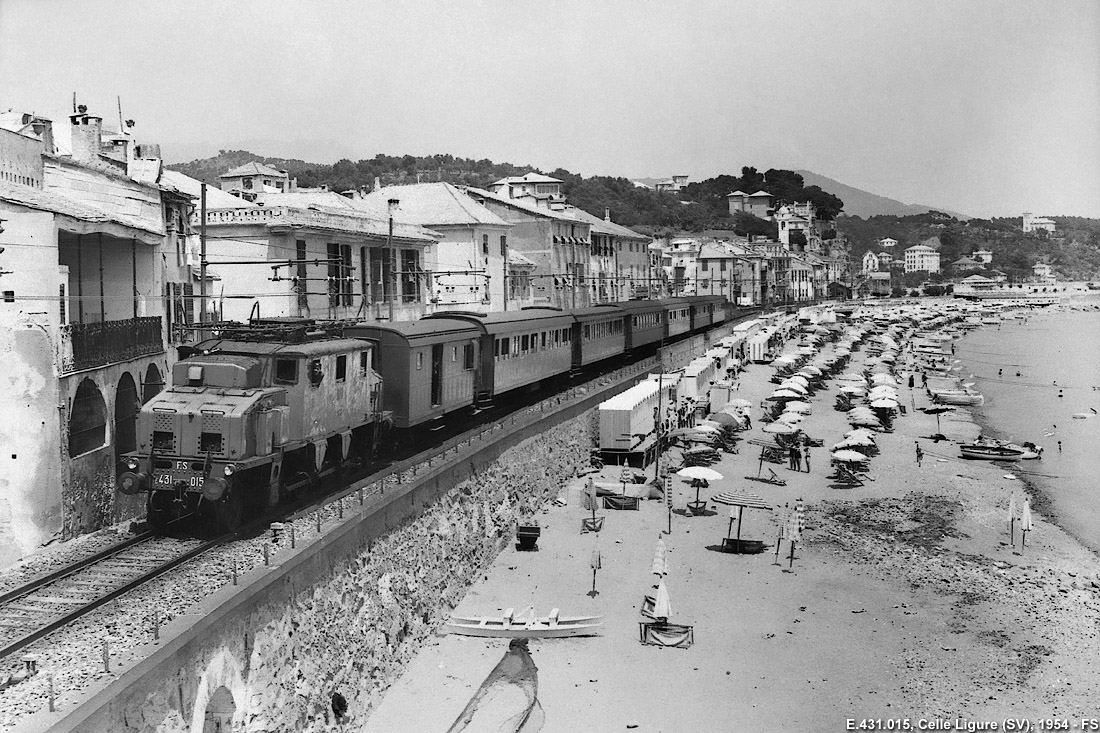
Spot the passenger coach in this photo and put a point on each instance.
(518, 348)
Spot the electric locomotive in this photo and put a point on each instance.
(251, 417)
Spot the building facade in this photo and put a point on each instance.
(1032, 223)
(921, 257)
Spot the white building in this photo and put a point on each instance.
(922, 257)
(1034, 223)
(529, 184)
(1043, 272)
(870, 261)
(983, 256)
(888, 242)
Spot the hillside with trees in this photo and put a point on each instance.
(1073, 251)
(701, 206)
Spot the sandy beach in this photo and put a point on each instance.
(905, 601)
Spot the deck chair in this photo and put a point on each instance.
(847, 476)
(774, 478)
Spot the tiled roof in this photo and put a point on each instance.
(49, 200)
(761, 193)
(479, 193)
(430, 204)
(517, 258)
(252, 169)
(530, 177)
(305, 199)
(738, 192)
(602, 226)
(215, 197)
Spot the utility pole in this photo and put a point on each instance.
(202, 254)
(392, 204)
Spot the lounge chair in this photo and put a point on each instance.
(847, 476)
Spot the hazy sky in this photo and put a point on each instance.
(990, 108)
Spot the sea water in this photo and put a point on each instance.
(1036, 373)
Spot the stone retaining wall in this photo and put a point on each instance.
(354, 631)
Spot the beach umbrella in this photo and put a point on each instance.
(853, 390)
(798, 406)
(855, 378)
(812, 369)
(1025, 521)
(885, 403)
(798, 379)
(783, 394)
(660, 562)
(741, 501)
(780, 428)
(595, 562)
(865, 420)
(662, 606)
(790, 418)
(937, 411)
(738, 402)
(860, 439)
(796, 522)
(1011, 520)
(727, 418)
(849, 456)
(699, 472)
(797, 387)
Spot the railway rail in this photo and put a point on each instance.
(36, 608)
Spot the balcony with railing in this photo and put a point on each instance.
(90, 345)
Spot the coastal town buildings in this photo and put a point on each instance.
(1043, 273)
(671, 185)
(556, 241)
(921, 257)
(96, 275)
(758, 204)
(470, 264)
(253, 178)
(531, 184)
(1032, 223)
(887, 243)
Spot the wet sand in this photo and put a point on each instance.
(905, 601)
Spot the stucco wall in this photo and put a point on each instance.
(30, 472)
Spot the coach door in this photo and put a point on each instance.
(437, 374)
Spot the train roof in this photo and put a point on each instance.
(597, 311)
(510, 321)
(270, 348)
(441, 329)
(633, 306)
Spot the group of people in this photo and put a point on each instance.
(799, 453)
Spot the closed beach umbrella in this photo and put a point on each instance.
(1025, 516)
(780, 428)
(662, 606)
(660, 563)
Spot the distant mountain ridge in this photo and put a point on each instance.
(858, 202)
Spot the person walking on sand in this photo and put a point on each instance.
(806, 453)
(924, 379)
(910, 380)
(920, 453)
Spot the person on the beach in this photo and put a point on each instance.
(792, 452)
(910, 381)
(924, 379)
(920, 453)
(796, 457)
(806, 452)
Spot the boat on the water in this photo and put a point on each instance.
(507, 626)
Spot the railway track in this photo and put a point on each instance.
(36, 608)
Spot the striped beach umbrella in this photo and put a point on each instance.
(660, 563)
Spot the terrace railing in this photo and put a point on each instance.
(89, 345)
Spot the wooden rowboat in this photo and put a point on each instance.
(508, 627)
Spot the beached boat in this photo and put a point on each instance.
(508, 627)
(957, 397)
(992, 451)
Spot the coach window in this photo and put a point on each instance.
(525, 345)
(504, 348)
(341, 368)
(364, 363)
(286, 371)
(484, 244)
(454, 353)
(544, 339)
(316, 373)
(468, 357)
(420, 360)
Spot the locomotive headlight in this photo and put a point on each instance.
(130, 483)
(213, 488)
(132, 464)
(229, 470)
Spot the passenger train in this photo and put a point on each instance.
(266, 409)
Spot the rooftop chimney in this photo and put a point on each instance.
(606, 213)
(377, 183)
(87, 135)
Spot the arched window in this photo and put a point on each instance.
(127, 407)
(87, 420)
